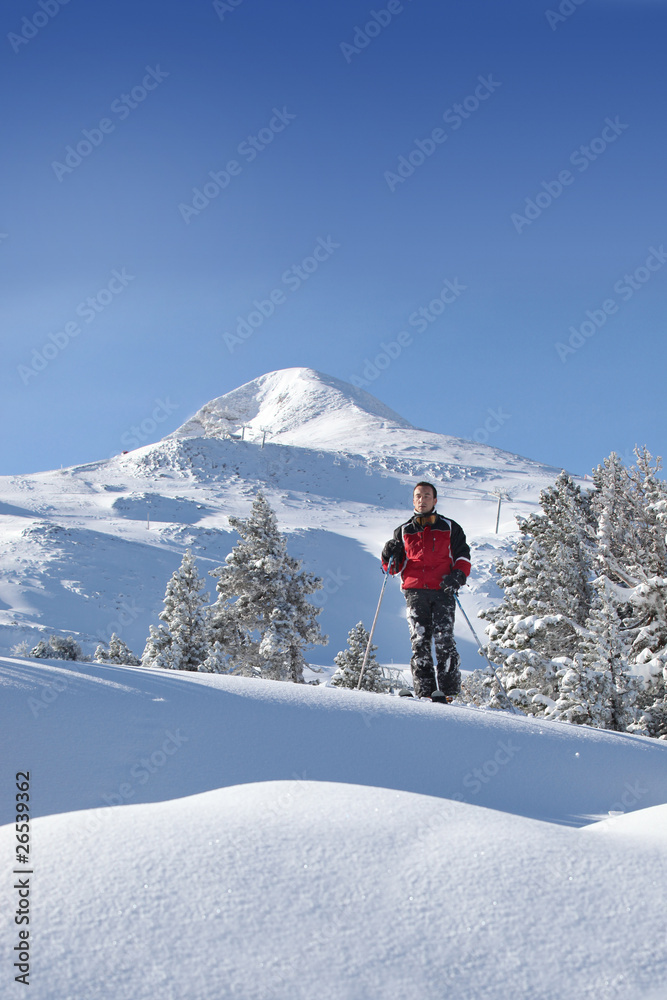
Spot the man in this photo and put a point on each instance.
(432, 556)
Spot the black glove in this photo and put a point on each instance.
(453, 580)
(393, 550)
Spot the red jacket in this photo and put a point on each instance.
(432, 547)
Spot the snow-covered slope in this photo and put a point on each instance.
(89, 549)
(302, 408)
(297, 406)
(213, 837)
(105, 720)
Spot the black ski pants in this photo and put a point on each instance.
(431, 619)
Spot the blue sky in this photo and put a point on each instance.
(530, 216)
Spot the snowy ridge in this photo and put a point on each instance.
(297, 406)
(303, 408)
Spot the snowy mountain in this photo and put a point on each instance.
(88, 550)
(297, 407)
(217, 837)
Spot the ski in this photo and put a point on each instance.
(442, 699)
(438, 698)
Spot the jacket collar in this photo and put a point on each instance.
(423, 519)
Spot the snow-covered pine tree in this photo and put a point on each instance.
(627, 551)
(514, 644)
(57, 647)
(21, 649)
(585, 598)
(585, 694)
(605, 653)
(547, 597)
(649, 653)
(182, 643)
(157, 649)
(350, 660)
(649, 597)
(262, 618)
(651, 514)
(217, 661)
(118, 652)
(616, 511)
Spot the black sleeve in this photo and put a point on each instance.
(394, 547)
(459, 546)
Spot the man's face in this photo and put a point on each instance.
(424, 500)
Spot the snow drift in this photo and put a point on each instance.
(215, 837)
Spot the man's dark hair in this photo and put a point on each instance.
(431, 486)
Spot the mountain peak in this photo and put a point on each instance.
(297, 406)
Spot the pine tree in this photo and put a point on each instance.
(547, 596)
(158, 648)
(651, 514)
(57, 647)
(649, 650)
(615, 511)
(182, 642)
(627, 620)
(585, 601)
(118, 652)
(262, 619)
(349, 662)
(480, 688)
(585, 694)
(648, 599)
(21, 649)
(605, 651)
(217, 661)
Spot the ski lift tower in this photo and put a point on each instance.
(502, 495)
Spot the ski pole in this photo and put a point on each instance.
(491, 666)
(370, 637)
